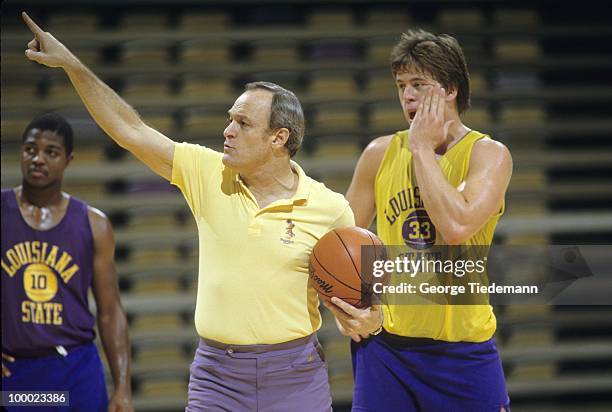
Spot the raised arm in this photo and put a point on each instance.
(112, 322)
(360, 193)
(457, 212)
(116, 117)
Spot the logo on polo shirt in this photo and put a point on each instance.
(289, 235)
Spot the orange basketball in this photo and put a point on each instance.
(335, 265)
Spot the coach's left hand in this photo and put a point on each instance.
(120, 402)
(354, 322)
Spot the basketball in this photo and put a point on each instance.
(335, 265)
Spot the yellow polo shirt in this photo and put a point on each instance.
(253, 263)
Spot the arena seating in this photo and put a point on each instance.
(537, 86)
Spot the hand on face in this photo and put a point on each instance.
(44, 48)
(429, 129)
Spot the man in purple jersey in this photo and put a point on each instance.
(54, 248)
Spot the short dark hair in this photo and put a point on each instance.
(285, 111)
(438, 55)
(55, 123)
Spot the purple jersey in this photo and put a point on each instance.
(45, 279)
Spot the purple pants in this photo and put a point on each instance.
(290, 376)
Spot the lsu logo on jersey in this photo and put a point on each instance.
(40, 262)
(418, 230)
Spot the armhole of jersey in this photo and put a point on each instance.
(92, 237)
(384, 159)
(481, 136)
(478, 138)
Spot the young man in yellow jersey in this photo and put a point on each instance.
(258, 218)
(451, 180)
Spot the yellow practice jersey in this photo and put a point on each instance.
(402, 220)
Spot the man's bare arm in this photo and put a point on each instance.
(360, 193)
(116, 117)
(112, 322)
(458, 213)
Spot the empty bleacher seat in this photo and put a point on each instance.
(88, 155)
(147, 88)
(516, 18)
(378, 49)
(15, 60)
(160, 119)
(518, 48)
(13, 124)
(147, 322)
(522, 113)
(384, 18)
(332, 84)
(275, 51)
(332, 50)
(478, 118)
(204, 51)
(386, 117)
(145, 52)
(478, 82)
(66, 22)
(468, 18)
(330, 19)
(160, 256)
(164, 389)
(13, 93)
(204, 122)
(143, 22)
(330, 147)
(61, 92)
(90, 192)
(201, 88)
(153, 221)
(516, 79)
(143, 286)
(207, 21)
(277, 15)
(89, 56)
(331, 117)
(380, 83)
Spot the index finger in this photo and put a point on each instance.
(348, 308)
(34, 28)
(337, 312)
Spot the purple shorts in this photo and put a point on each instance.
(290, 376)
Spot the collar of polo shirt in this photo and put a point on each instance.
(303, 189)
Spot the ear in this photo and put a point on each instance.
(280, 137)
(451, 95)
(69, 158)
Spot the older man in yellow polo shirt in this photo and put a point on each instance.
(258, 218)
